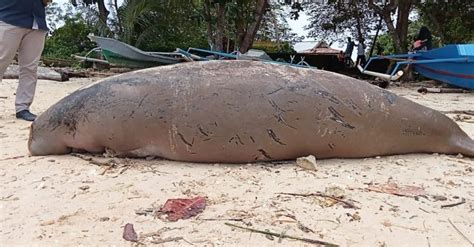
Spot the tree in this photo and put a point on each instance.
(332, 20)
(103, 11)
(451, 21)
(233, 19)
(71, 38)
(399, 31)
(275, 27)
(160, 25)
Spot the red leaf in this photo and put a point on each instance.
(129, 233)
(177, 209)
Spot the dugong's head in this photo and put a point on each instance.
(46, 139)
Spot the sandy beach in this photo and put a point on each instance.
(67, 200)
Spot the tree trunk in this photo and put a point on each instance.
(374, 42)
(403, 12)
(103, 12)
(358, 25)
(119, 18)
(393, 32)
(239, 25)
(386, 13)
(253, 27)
(207, 16)
(220, 26)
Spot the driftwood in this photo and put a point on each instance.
(86, 73)
(443, 90)
(43, 73)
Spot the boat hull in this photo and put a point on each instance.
(460, 74)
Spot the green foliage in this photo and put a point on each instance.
(69, 39)
(452, 22)
(161, 25)
(386, 42)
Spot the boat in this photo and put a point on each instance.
(451, 64)
(121, 54)
(198, 54)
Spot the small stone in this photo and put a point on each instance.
(439, 198)
(85, 187)
(104, 219)
(335, 191)
(308, 162)
(400, 162)
(150, 158)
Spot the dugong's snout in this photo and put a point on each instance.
(42, 142)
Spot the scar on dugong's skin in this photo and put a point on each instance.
(241, 111)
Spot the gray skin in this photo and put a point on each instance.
(241, 111)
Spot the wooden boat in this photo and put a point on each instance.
(124, 55)
(451, 64)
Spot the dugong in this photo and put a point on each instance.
(241, 111)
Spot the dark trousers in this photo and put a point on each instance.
(361, 60)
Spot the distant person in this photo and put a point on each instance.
(349, 49)
(340, 56)
(23, 30)
(423, 41)
(361, 54)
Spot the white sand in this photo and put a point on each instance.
(43, 200)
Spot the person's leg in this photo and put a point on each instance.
(362, 60)
(10, 37)
(31, 47)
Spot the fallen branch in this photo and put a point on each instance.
(467, 112)
(443, 90)
(165, 240)
(462, 234)
(229, 219)
(318, 194)
(454, 204)
(94, 161)
(281, 235)
(13, 158)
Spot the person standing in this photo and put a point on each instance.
(348, 52)
(23, 29)
(361, 54)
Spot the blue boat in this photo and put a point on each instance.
(451, 64)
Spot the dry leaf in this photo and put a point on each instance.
(177, 209)
(129, 233)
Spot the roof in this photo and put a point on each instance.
(321, 48)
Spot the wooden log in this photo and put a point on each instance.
(443, 90)
(43, 73)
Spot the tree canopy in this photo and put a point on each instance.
(228, 25)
